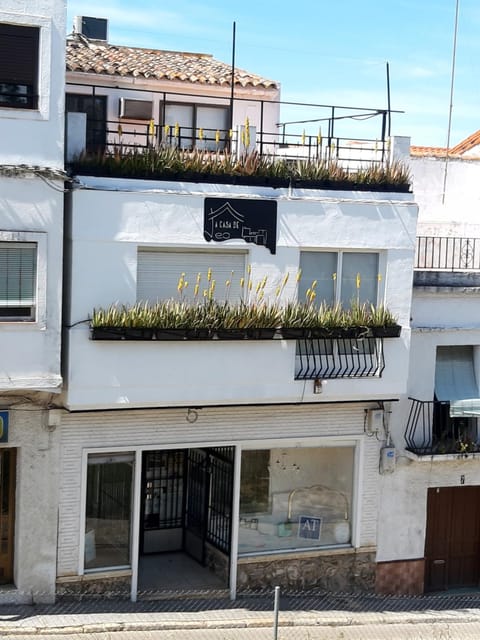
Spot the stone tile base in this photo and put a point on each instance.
(400, 577)
(347, 571)
(108, 585)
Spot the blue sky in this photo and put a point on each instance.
(327, 52)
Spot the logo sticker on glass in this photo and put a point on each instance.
(309, 527)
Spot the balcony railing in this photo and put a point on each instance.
(325, 131)
(431, 431)
(435, 253)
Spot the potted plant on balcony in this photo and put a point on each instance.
(383, 323)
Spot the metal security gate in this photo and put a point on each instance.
(187, 500)
(209, 500)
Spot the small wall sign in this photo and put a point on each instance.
(3, 426)
(309, 527)
(249, 220)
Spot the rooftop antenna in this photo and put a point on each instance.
(452, 82)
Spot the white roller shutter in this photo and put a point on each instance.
(158, 273)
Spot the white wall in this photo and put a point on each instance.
(31, 210)
(35, 137)
(107, 228)
(457, 213)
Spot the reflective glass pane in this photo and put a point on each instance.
(319, 267)
(108, 511)
(359, 278)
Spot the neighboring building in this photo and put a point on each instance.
(237, 452)
(32, 44)
(430, 517)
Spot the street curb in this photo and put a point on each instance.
(317, 620)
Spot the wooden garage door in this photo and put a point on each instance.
(452, 542)
(7, 513)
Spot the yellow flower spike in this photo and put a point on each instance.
(249, 269)
(195, 291)
(277, 292)
(212, 285)
(358, 281)
(205, 293)
(200, 133)
(379, 277)
(166, 128)
(151, 127)
(250, 284)
(299, 275)
(176, 130)
(313, 295)
(242, 282)
(217, 136)
(334, 276)
(309, 293)
(314, 284)
(120, 130)
(199, 277)
(227, 283)
(285, 278)
(258, 287)
(303, 137)
(209, 274)
(319, 136)
(230, 133)
(185, 284)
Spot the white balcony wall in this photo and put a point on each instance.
(35, 136)
(108, 226)
(32, 211)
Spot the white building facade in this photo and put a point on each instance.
(258, 457)
(32, 44)
(429, 507)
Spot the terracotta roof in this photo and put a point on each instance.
(458, 150)
(428, 151)
(87, 56)
(467, 144)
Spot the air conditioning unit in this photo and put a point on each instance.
(91, 28)
(136, 109)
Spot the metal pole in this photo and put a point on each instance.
(276, 607)
(451, 101)
(388, 101)
(232, 88)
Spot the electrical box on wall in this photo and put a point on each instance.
(387, 460)
(374, 422)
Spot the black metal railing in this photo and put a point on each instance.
(326, 358)
(431, 431)
(325, 133)
(440, 253)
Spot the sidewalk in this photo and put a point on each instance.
(249, 611)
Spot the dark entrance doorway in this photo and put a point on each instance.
(187, 504)
(7, 513)
(452, 541)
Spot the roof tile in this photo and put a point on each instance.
(86, 56)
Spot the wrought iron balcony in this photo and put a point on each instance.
(431, 431)
(327, 358)
(353, 136)
(437, 253)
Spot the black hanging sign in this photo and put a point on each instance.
(250, 220)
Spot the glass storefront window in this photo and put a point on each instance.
(295, 498)
(108, 511)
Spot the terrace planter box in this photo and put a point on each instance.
(387, 332)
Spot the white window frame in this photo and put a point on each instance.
(339, 254)
(40, 239)
(42, 112)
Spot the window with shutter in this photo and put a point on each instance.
(159, 271)
(19, 66)
(18, 281)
